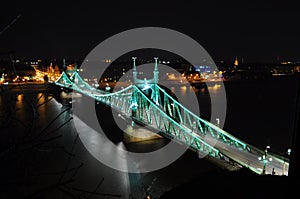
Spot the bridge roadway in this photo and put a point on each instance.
(249, 158)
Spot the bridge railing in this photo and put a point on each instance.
(120, 101)
(161, 111)
(64, 81)
(190, 120)
(187, 118)
(77, 79)
(148, 112)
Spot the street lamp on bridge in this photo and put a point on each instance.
(264, 158)
(284, 161)
(218, 122)
(107, 88)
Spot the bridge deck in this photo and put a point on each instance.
(154, 114)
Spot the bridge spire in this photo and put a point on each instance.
(134, 73)
(155, 72)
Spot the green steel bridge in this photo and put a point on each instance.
(149, 104)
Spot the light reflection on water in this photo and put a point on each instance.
(22, 106)
(252, 104)
(186, 90)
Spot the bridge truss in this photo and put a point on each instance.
(152, 106)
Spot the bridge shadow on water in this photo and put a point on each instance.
(114, 127)
(213, 181)
(115, 130)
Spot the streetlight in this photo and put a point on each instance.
(265, 159)
(218, 121)
(284, 162)
(289, 151)
(107, 88)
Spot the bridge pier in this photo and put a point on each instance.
(137, 133)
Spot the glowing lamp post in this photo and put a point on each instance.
(289, 151)
(284, 163)
(107, 88)
(265, 159)
(218, 121)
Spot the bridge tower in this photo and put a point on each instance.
(141, 83)
(134, 73)
(149, 88)
(155, 72)
(147, 83)
(69, 69)
(155, 95)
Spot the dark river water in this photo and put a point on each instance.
(42, 157)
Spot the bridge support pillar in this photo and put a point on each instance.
(139, 134)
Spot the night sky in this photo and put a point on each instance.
(256, 31)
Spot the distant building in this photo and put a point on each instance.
(203, 69)
(236, 63)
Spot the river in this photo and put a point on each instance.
(42, 156)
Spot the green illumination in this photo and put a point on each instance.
(163, 120)
(162, 112)
(188, 114)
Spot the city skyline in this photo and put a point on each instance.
(252, 30)
(212, 106)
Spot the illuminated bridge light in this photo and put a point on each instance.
(186, 127)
